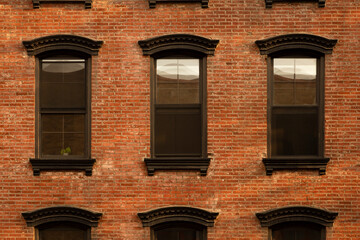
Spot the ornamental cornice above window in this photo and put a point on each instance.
(62, 42)
(296, 213)
(61, 213)
(178, 213)
(178, 41)
(298, 41)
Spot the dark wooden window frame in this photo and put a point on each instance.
(297, 214)
(204, 3)
(171, 216)
(166, 46)
(87, 3)
(51, 216)
(47, 46)
(287, 45)
(268, 3)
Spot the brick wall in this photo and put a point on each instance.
(236, 185)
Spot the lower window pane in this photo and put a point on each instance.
(178, 134)
(63, 134)
(294, 134)
(51, 143)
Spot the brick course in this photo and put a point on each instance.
(236, 185)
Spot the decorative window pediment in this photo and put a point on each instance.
(36, 3)
(268, 3)
(62, 42)
(61, 214)
(178, 41)
(296, 41)
(178, 213)
(296, 213)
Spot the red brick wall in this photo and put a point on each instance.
(236, 185)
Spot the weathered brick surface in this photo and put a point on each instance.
(236, 185)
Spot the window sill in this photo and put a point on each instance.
(36, 3)
(268, 3)
(295, 163)
(154, 164)
(204, 3)
(39, 165)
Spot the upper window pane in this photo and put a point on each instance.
(297, 231)
(62, 83)
(294, 81)
(63, 231)
(177, 81)
(179, 231)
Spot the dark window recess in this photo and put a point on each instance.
(294, 107)
(269, 3)
(204, 3)
(297, 231)
(63, 107)
(179, 231)
(177, 108)
(63, 231)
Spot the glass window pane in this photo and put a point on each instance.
(65, 232)
(51, 143)
(60, 131)
(176, 234)
(283, 81)
(188, 80)
(296, 231)
(294, 134)
(294, 81)
(62, 84)
(305, 77)
(178, 132)
(177, 81)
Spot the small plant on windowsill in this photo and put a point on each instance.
(65, 151)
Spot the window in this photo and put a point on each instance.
(297, 231)
(204, 3)
(36, 3)
(178, 223)
(178, 102)
(297, 223)
(177, 117)
(62, 231)
(63, 110)
(178, 231)
(295, 106)
(62, 223)
(296, 72)
(63, 102)
(268, 3)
